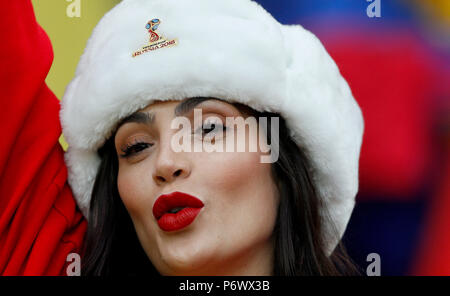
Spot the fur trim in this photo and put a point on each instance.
(233, 50)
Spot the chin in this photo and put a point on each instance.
(185, 262)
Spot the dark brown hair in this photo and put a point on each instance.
(112, 247)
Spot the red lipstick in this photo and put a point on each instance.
(176, 210)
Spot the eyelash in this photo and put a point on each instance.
(135, 148)
(212, 127)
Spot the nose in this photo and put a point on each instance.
(170, 165)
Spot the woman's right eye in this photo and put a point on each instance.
(133, 149)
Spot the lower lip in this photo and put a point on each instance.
(179, 220)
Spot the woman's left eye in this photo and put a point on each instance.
(131, 150)
(211, 128)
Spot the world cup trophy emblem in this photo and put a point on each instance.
(151, 27)
(156, 41)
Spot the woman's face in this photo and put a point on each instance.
(232, 232)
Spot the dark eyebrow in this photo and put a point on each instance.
(189, 104)
(148, 117)
(138, 117)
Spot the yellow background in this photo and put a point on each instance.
(68, 36)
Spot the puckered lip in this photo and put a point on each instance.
(165, 202)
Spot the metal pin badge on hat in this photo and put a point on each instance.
(156, 41)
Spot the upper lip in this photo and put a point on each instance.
(166, 202)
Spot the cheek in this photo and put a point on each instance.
(238, 170)
(125, 185)
(135, 189)
(134, 192)
(233, 171)
(244, 196)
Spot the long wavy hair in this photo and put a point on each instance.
(112, 246)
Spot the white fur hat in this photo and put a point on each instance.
(233, 50)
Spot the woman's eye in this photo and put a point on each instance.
(208, 129)
(134, 149)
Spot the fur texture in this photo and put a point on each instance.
(233, 50)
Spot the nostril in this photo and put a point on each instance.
(177, 173)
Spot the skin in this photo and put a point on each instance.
(233, 233)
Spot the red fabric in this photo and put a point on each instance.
(40, 223)
(433, 256)
(392, 78)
